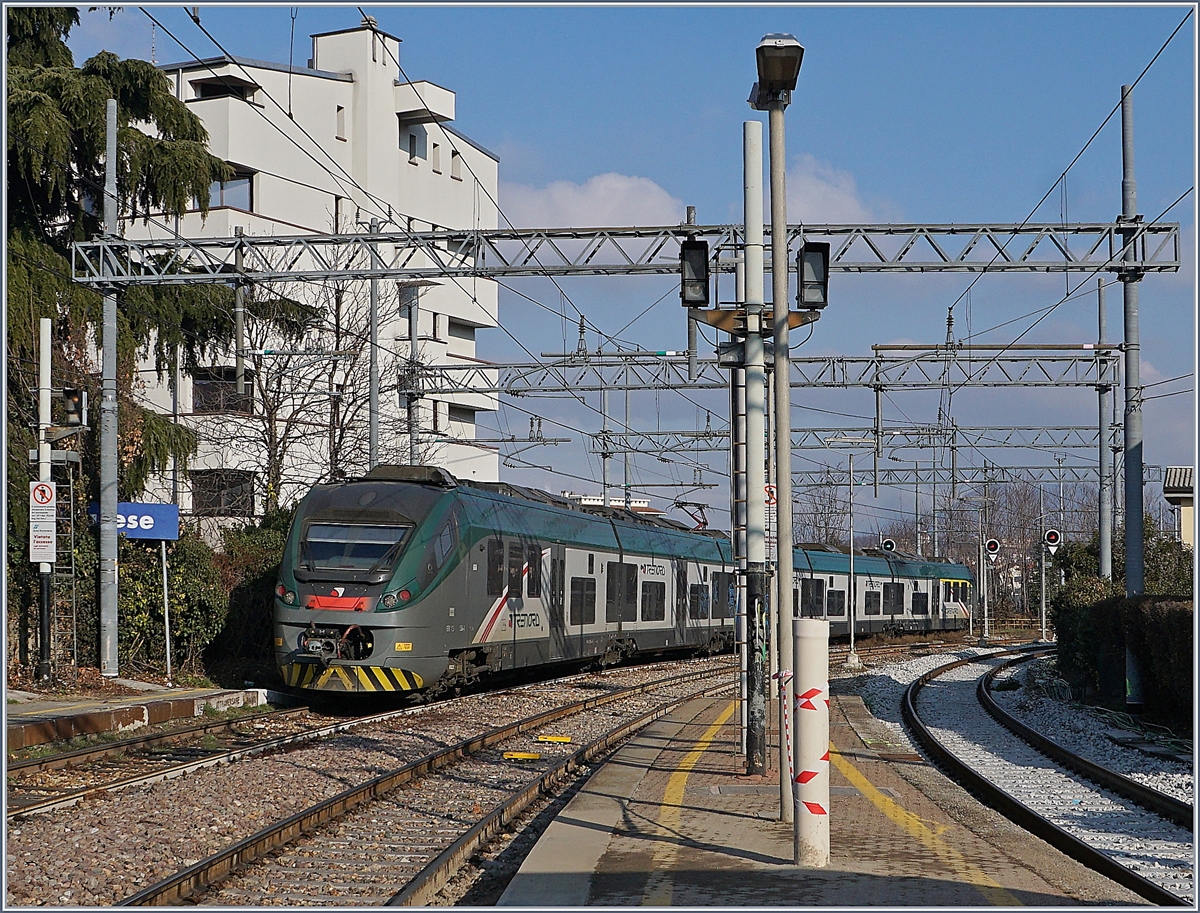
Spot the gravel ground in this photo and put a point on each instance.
(105, 849)
(1084, 732)
(1070, 724)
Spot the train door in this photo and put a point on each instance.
(561, 645)
(681, 599)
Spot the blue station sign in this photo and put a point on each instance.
(144, 521)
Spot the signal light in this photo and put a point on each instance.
(75, 406)
(889, 545)
(812, 269)
(992, 546)
(693, 272)
(1053, 539)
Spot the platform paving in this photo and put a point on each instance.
(672, 819)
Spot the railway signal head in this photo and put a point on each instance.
(992, 547)
(889, 545)
(1053, 539)
(693, 273)
(812, 267)
(75, 407)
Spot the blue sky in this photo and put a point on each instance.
(902, 114)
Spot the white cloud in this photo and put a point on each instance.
(818, 193)
(604, 200)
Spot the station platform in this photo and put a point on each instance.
(35, 719)
(672, 819)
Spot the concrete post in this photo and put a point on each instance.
(811, 661)
(783, 441)
(756, 554)
(45, 569)
(1106, 482)
(108, 422)
(1135, 569)
(239, 319)
(373, 393)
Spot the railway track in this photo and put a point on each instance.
(1113, 834)
(401, 836)
(56, 781)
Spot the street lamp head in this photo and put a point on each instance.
(779, 57)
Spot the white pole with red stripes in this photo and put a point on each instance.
(811, 753)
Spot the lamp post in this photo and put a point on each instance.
(852, 661)
(779, 57)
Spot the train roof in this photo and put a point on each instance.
(830, 559)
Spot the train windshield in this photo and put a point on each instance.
(346, 547)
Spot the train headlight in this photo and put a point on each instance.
(389, 601)
(289, 597)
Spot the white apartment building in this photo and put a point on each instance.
(324, 149)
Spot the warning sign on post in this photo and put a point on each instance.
(43, 526)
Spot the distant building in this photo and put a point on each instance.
(322, 149)
(1179, 490)
(637, 505)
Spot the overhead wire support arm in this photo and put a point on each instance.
(652, 250)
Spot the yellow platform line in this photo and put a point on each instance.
(917, 829)
(659, 886)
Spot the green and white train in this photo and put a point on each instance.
(410, 580)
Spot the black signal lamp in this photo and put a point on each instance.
(693, 272)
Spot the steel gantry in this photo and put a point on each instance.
(930, 368)
(406, 253)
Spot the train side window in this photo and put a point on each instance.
(795, 603)
(533, 585)
(698, 601)
(591, 564)
(704, 574)
(812, 598)
(935, 593)
(722, 595)
(920, 604)
(893, 599)
(871, 603)
(495, 567)
(516, 564)
(654, 600)
(835, 603)
(583, 601)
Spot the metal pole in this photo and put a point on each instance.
(756, 555)
(916, 508)
(1134, 532)
(1106, 482)
(737, 424)
(1042, 547)
(783, 445)
(626, 457)
(693, 364)
(166, 606)
(414, 393)
(606, 455)
(108, 422)
(983, 573)
(239, 319)
(45, 569)
(852, 661)
(373, 405)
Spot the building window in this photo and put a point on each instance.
(214, 391)
(224, 87)
(455, 164)
(436, 158)
(460, 330)
(222, 493)
(236, 193)
(341, 123)
(462, 415)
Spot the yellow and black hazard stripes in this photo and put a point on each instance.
(350, 678)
